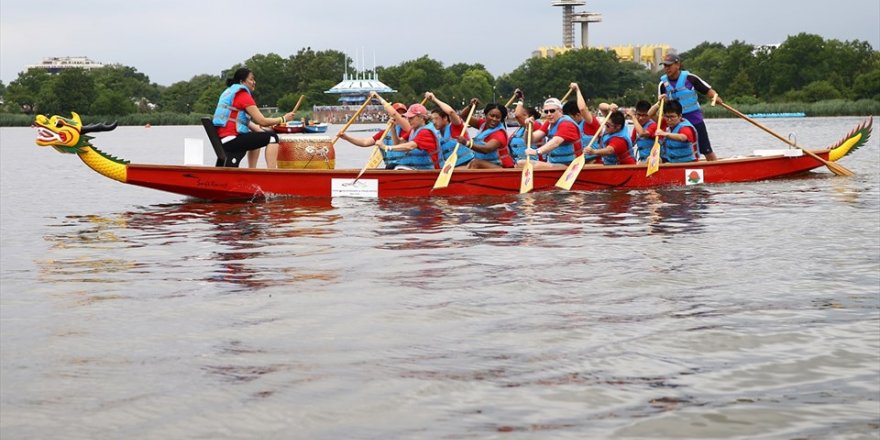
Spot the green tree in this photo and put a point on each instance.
(71, 90)
(797, 62)
(820, 91)
(181, 96)
(126, 80)
(112, 102)
(268, 70)
(23, 94)
(867, 85)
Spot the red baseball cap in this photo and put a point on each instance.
(399, 106)
(416, 110)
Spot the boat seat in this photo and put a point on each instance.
(211, 131)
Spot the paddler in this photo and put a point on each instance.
(490, 143)
(399, 131)
(451, 127)
(564, 137)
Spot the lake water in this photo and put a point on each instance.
(730, 311)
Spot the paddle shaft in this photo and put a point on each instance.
(565, 96)
(838, 169)
(298, 102)
(510, 101)
(464, 130)
(528, 170)
(350, 121)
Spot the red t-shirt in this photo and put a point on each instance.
(456, 130)
(689, 132)
(650, 132)
(567, 130)
(242, 100)
(591, 128)
(621, 150)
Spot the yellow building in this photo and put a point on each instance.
(648, 54)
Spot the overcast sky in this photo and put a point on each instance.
(172, 41)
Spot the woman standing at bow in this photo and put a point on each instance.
(240, 124)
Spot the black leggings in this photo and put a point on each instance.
(238, 147)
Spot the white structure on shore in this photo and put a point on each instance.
(57, 64)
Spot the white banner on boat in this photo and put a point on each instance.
(365, 188)
(693, 177)
(193, 151)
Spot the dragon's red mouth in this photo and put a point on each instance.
(46, 136)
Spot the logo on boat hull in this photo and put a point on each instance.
(693, 177)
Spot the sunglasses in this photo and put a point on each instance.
(549, 111)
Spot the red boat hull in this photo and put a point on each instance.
(213, 183)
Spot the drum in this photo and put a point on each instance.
(304, 151)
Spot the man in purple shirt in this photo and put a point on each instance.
(685, 92)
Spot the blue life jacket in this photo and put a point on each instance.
(516, 146)
(494, 156)
(585, 140)
(564, 153)
(392, 158)
(623, 133)
(687, 97)
(418, 158)
(644, 144)
(224, 109)
(447, 144)
(678, 151)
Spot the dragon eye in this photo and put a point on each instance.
(59, 123)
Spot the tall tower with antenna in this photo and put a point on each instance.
(567, 22)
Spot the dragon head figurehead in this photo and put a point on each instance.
(66, 135)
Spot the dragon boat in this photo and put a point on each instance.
(68, 135)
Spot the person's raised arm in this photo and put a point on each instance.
(466, 110)
(454, 118)
(392, 113)
(582, 104)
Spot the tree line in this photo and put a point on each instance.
(805, 68)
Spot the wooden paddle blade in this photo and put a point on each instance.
(371, 163)
(446, 172)
(566, 180)
(654, 159)
(835, 168)
(527, 178)
(839, 169)
(375, 158)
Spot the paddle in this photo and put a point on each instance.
(375, 156)
(835, 168)
(565, 96)
(510, 101)
(654, 157)
(526, 180)
(448, 166)
(566, 180)
(353, 117)
(298, 102)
